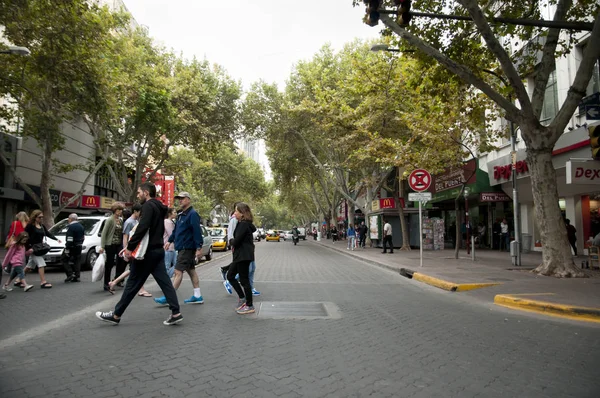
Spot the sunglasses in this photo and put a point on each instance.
(40, 216)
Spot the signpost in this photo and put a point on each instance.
(420, 180)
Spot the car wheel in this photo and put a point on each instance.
(209, 255)
(91, 258)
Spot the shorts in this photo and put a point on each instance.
(36, 261)
(17, 272)
(186, 260)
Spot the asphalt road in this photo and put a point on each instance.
(382, 336)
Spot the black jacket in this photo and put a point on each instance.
(36, 235)
(243, 244)
(75, 235)
(152, 218)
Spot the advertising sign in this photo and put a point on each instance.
(169, 191)
(90, 201)
(106, 203)
(452, 178)
(583, 172)
(494, 197)
(387, 203)
(374, 227)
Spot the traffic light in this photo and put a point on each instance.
(404, 15)
(594, 132)
(372, 15)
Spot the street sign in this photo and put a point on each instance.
(593, 100)
(592, 112)
(419, 180)
(419, 196)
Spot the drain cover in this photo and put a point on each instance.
(298, 310)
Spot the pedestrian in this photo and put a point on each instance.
(111, 243)
(230, 229)
(334, 234)
(73, 245)
(387, 237)
(362, 233)
(481, 235)
(571, 235)
(351, 237)
(452, 234)
(37, 233)
(187, 236)
(314, 234)
(16, 227)
(16, 258)
(128, 227)
(243, 255)
(170, 248)
(153, 262)
(496, 235)
(505, 236)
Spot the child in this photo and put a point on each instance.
(16, 257)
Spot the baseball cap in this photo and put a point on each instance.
(181, 195)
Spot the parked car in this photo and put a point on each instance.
(272, 235)
(219, 238)
(281, 234)
(288, 235)
(92, 226)
(207, 247)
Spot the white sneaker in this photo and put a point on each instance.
(28, 288)
(7, 288)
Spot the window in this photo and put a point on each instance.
(550, 107)
(594, 84)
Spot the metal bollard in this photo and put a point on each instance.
(472, 248)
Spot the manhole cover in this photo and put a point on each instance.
(499, 279)
(298, 310)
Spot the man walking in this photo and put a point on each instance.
(362, 234)
(73, 245)
(153, 263)
(387, 237)
(188, 239)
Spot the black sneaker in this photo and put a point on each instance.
(75, 280)
(69, 279)
(173, 320)
(108, 317)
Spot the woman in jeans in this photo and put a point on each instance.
(170, 252)
(351, 237)
(37, 231)
(243, 255)
(112, 243)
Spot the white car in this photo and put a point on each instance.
(288, 235)
(92, 226)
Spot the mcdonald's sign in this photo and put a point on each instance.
(387, 203)
(90, 201)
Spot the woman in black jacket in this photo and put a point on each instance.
(37, 232)
(243, 255)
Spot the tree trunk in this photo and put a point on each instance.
(351, 208)
(403, 224)
(556, 250)
(45, 183)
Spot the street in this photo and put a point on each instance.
(381, 336)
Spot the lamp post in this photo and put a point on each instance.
(466, 192)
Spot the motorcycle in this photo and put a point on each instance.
(295, 239)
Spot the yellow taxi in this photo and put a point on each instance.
(219, 238)
(272, 235)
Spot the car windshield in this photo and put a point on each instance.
(60, 228)
(216, 232)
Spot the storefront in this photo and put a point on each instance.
(484, 202)
(577, 181)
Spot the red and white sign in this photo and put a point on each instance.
(583, 172)
(419, 180)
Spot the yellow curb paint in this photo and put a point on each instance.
(587, 314)
(450, 286)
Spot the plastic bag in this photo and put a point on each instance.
(98, 270)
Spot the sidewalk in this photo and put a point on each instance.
(493, 277)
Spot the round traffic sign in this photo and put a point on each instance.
(419, 180)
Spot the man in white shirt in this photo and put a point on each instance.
(387, 237)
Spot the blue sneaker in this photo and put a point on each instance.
(228, 287)
(194, 300)
(161, 301)
(255, 292)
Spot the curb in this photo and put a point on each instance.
(587, 314)
(446, 285)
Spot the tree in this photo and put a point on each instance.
(65, 76)
(466, 48)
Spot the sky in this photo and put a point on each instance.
(252, 39)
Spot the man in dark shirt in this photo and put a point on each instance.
(362, 234)
(72, 254)
(153, 261)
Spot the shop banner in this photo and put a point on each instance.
(169, 191)
(583, 172)
(90, 201)
(106, 203)
(494, 197)
(57, 198)
(452, 178)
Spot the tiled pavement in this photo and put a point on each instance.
(391, 340)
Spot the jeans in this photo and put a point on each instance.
(243, 268)
(351, 242)
(170, 256)
(152, 264)
(251, 270)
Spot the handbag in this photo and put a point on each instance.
(41, 249)
(10, 240)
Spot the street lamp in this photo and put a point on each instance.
(16, 50)
(466, 193)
